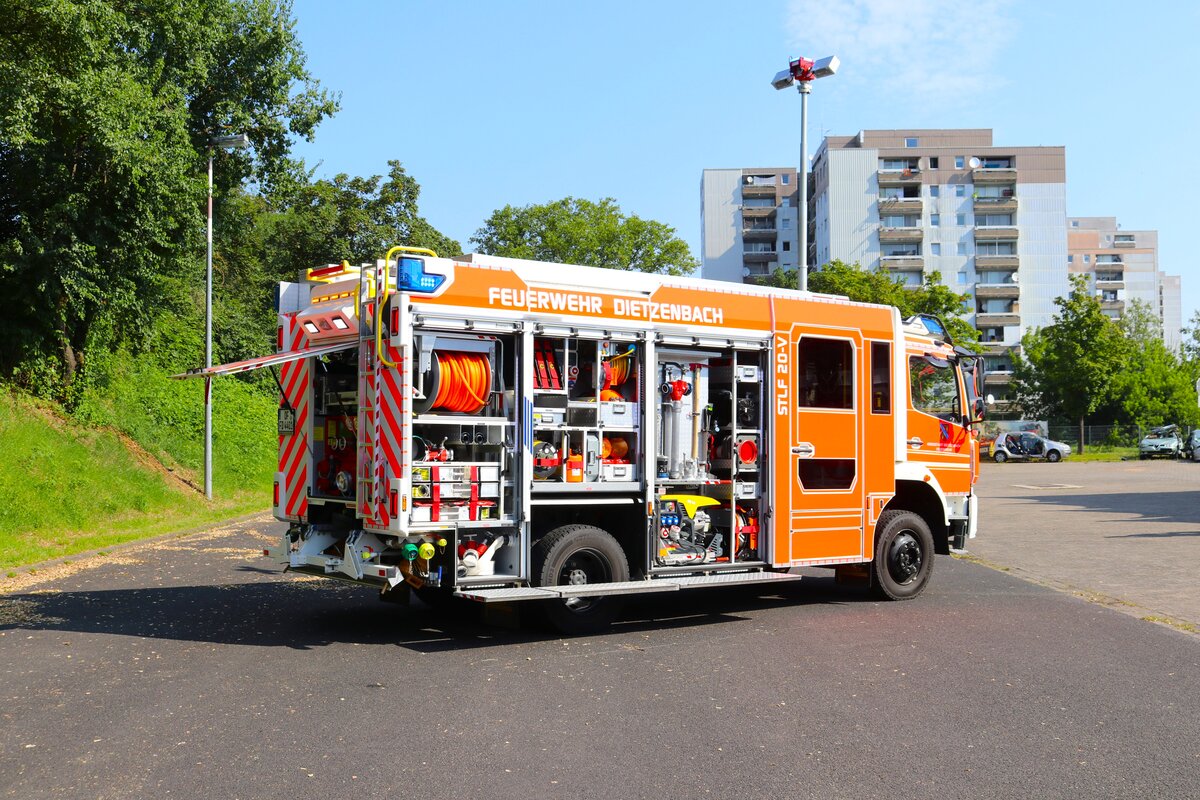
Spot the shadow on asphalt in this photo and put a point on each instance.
(1149, 506)
(304, 615)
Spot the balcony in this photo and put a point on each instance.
(899, 177)
(982, 175)
(998, 320)
(1002, 291)
(994, 348)
(900, 205)
(995, 205)
(1113, 305)
(760, 233)
(1119, 242)
(983, 261)
(914, 263)
(900, 235)
(1001, 377)
(994, 233)
(759, 256)
(758, 190)
(757, 212)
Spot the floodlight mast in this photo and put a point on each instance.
(802, 72)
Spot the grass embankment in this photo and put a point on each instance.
(127, 465)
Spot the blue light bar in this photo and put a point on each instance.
(412, 277)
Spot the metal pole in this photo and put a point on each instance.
(208, 340)
(804, 87)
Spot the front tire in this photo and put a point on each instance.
(575, 555)
(1054, 456)
(1000, 457)
(903, 559)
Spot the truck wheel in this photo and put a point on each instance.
(1053, 456)
(903, 556)
(1000, 457)
(574, 555)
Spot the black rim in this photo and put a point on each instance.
(904, 558)
(583, 567)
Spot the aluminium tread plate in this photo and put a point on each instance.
(507, 594)
(620, 587)
(733, 579)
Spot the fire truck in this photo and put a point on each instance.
(506, 430)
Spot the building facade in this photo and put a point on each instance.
(1122, 266)
(748, 222)
(991, 221)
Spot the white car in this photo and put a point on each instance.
(1027, 446)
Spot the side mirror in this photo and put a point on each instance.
(978, 409)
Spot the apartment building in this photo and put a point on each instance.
(992, 221)
(1122, 266)
(749, 222)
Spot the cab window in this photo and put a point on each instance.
(934, 389)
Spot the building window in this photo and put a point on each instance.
(933, 162)
(1074, 223)
(1070, 259)
(912, 142)
(960, 219)
(787, 246)
(960, 190)
(786, 223)
(962, 278)
(1087, 259)
(935, 249)
(935, 220)
(962, 248)
(958, 162)
(786, 179)
(935, 190)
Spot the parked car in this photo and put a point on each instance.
(1191, 446)
(1161, 441)
(1027, 446)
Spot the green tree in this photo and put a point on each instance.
(1067, 369)
(871, 286)
(574, 231)
(1160, 390)
(106, 110)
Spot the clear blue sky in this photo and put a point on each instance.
(518, 102)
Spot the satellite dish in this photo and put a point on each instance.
(749, 179)
(974, 162)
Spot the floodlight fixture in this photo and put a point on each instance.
(802, 72)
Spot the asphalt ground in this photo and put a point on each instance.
(1126, 533)
(184, 669)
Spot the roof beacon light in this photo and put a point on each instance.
(412, 277)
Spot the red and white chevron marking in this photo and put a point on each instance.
(294, 449)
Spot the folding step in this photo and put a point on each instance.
(505, 595)
(512, 594)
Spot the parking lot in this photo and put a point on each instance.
(1127, 531)
(186, 668)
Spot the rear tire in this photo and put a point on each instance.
(580, 554)
(903, 559)
(1054, 456)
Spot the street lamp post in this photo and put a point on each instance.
(802, 72)
(225, 143)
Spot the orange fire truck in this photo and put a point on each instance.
(505, 430)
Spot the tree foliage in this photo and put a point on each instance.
(106, 110)
(869, 286)
(1085, 364)
(574, 231)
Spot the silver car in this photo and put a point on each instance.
(1027, 446)
(1162, 441)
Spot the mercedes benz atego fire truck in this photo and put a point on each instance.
(506, 430)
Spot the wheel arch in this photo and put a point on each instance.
(925, 499)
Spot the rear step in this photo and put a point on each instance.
(510, 594)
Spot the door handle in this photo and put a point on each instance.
(915, 442)
(804, 450)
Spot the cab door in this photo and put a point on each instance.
(823, 446)
(937, 436)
